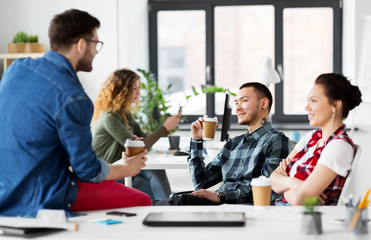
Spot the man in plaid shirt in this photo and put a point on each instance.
(257, 152)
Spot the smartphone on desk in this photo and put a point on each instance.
(119, 213)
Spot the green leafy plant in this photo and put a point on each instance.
(153, 105)
(209, 89)
(33, 38)
(310, 203)
(22, 37)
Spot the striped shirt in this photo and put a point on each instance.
(244, 157)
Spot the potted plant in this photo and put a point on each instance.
(154, 104)
(311, 221)
(24, 43)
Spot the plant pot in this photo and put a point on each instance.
(25, 48)
(311, 223)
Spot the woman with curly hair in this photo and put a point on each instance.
(114, 123)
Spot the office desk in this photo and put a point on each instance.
(256, 228)
(157, 162)
(161, 158)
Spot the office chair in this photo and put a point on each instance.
(346, 190)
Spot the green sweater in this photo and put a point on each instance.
(110, 134)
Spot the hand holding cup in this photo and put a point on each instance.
(133, 147)
(209, 126)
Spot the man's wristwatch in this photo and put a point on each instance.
(222, 196)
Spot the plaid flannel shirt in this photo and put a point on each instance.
(333, 191)
(244, 157)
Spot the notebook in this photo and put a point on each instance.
(27, 231)
(195, 219)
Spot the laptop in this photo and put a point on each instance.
(195, 219)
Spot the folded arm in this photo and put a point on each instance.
(314, 185)
(280, 180)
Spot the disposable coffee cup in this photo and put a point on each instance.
(261, 191)
(133, 147)
(209, 128)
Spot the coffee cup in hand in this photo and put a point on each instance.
(209, 128)
(261, 191)
(133, 147)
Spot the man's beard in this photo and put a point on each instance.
(249, 119)
(85, 63)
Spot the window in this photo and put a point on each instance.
(181, 57)
(224, 43)
(305, 31)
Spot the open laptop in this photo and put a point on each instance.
(195, 219)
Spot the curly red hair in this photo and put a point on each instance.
(116, 94)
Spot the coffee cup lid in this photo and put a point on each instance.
(261, 181)
(214, 119)
(131, 143)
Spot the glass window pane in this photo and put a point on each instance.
(244, 36)
(181, 58)
(308, 52)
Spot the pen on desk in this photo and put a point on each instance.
(74, 226)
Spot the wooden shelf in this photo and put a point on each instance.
(10, 57)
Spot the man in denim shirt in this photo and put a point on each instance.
(46, 157)
(257, 152)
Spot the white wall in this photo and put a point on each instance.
(352, 36)
(123, 30)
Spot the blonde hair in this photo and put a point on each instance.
(116, 94)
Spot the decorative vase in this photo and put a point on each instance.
(25, 47)
(311, 223)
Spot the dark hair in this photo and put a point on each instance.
(338, 87)
(261, 90)
(69, 26)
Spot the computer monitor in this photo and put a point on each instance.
(226, 123)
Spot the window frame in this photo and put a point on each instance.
(279, 117)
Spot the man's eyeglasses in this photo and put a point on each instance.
(99, 45)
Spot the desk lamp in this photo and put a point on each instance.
(268, 74)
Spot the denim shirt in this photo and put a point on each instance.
(44, 132)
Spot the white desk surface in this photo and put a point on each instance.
(256, 228)
(161, 161)
(160, 157)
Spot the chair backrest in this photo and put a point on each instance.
(346, 190)
(293, 144)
